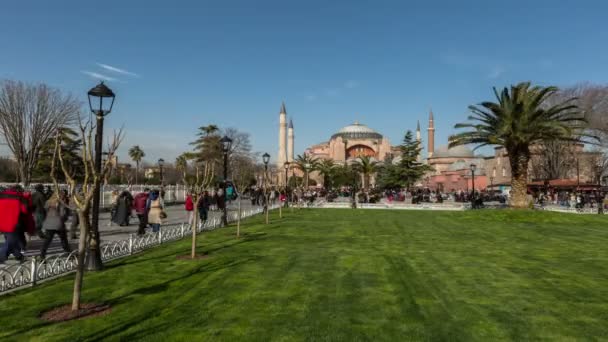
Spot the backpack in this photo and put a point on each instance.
(140, 202)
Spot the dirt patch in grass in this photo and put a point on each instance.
(65, 313)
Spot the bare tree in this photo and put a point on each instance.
(241, 145)
(553, 160)
(30, 115)
(243, 174)
(592, 101)
(202, 179)
(596, 164)
(82, 194)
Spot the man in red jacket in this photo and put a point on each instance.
(139, 205)
(13, 211)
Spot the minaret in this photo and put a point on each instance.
(431, 130)
(290, 137)
(282, 156)
(419, 140)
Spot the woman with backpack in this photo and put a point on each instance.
(156, 210)
(54, 223)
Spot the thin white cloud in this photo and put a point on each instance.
(496, 72)
(311, 97)
(350, 84)
(117, 70)
(99, 76)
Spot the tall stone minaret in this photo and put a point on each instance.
(282, 156)
(290, 138)
(431, 130)
(419, 140)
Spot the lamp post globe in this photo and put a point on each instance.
(226, 143)
(266, 158)
(101, 102)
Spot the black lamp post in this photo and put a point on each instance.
(473, 167)
(226, 145)
(103, 96)
(286, 166)
(161, 164)
(266, 159)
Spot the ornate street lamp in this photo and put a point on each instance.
(226, 146)
(161, 164)
(473, 167)
(101, 101)
(266, 159)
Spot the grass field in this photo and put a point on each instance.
(349, 275)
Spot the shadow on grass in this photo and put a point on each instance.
(140, 260)
(151, 290)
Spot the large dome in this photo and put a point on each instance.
(357, 131)
(454, 152)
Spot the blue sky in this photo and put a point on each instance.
(384, 63)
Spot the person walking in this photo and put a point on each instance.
(189, 206)
(203, 206)
(54, 223)
(38, 203)
(139, 204)
(124, 205)
(13, 208)
(155, 208)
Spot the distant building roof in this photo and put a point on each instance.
(357, 131)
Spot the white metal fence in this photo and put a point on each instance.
(35, 270)
(173, 193)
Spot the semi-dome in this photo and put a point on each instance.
(459, 165)
(357, 131)
(454, 152)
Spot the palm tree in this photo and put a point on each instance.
(181, 164)
(136, 154)
(520, 118)
(306, 164)
(326, 168)
(207, 145)
(365, 166)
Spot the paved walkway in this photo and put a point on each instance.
(175, 215)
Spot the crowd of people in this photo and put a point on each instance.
(571, 199)
(207, 200)
(22, 213)
(45, 214)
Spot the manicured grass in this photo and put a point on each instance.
(348, 275)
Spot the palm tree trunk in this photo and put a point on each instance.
(136, 171)
(519, 178)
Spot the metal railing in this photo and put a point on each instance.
(35, 270)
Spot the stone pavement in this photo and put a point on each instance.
(175, 215)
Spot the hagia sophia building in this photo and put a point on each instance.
(451, 166)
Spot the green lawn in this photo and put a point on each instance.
(349, 275)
